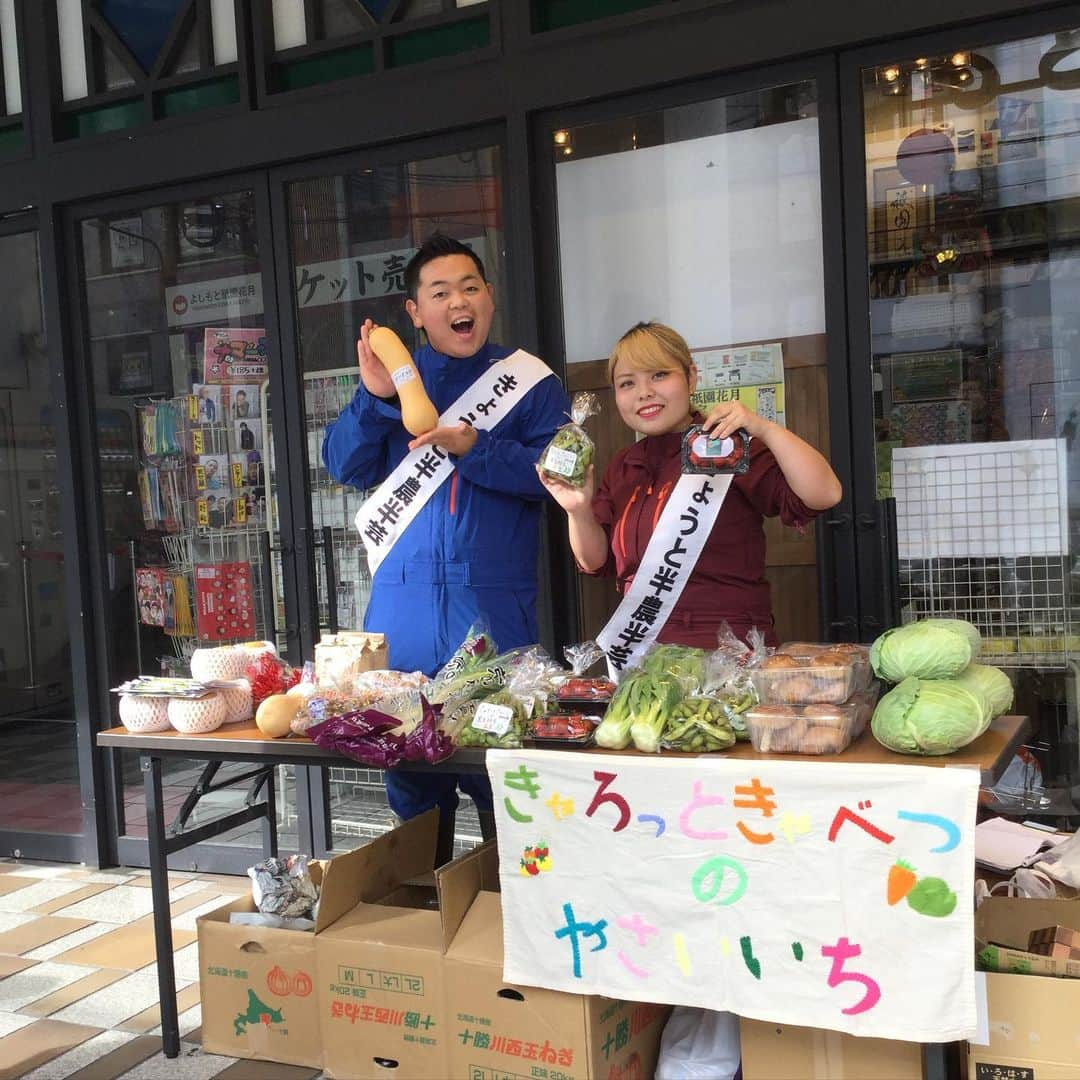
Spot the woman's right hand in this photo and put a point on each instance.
(372, 373)
(573, 500)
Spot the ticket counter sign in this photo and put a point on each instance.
(828, 895)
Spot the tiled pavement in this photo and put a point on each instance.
(78, 984)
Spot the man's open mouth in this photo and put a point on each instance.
(462, 326)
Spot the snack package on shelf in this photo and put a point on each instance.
(570, 453)
(579, 690)
(339, 658)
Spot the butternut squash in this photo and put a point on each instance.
(417, 413)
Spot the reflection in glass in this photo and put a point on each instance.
(180, 363)
(707, 217)
(39, 780)
(351, 236)
(971, 166)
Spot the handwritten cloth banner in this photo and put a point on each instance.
(825, 894)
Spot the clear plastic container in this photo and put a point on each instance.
(802, 729)
(803, 681)
(844, 652)
(864, 702)
(562, 729)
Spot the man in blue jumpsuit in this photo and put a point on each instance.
(472, 550)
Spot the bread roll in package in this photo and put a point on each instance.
(339, 658)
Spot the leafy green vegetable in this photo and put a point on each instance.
(992, 683)
(614, 730)
(925, 716)
(930, 649)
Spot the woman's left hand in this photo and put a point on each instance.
(727, 417)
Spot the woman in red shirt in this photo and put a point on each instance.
(653, 376)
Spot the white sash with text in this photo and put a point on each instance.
(670, 557)
(391, 508)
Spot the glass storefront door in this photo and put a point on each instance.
(181, 363)
(351, 232)
(39, 780)
(708, 217)
(973, 219)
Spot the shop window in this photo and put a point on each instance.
(10, 81)
(324, 40)
(12, 139)
(706, 217)
(39, 778)
(180, 367)
(973, 228)
(351, 235)
(183, 53)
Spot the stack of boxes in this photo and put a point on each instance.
(403, 976)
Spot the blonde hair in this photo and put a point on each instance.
(651, 346)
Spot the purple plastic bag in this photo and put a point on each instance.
(426, 742)
(363, 736)
(367, 736)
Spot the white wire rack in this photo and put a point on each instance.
(982, 534)
(334, 506)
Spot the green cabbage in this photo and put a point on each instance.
(928, 716)
(992, 683)
(959, 626)
(930, 649)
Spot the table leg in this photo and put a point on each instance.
(159, 888)
(270, 839)
(444, 844)
(487, 823)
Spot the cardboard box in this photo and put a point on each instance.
(1002, 947)
(503, 1030)
(784, 1052)
(1032, 1017)
(257, 984)
(1057, 941)
(382, 1007)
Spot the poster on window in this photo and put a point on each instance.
(826, 894)
(235, 356)
(750, 374)
(224, 601)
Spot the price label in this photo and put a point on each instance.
(559, 461)
(493, 718)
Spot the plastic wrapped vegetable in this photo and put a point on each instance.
(477, 649)
(570, 453)
(929, 716)
(929, 649)
(727, 683)
(497, 721)
(578, 688)
(658, 698)
(699, 725)
(614, 730)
